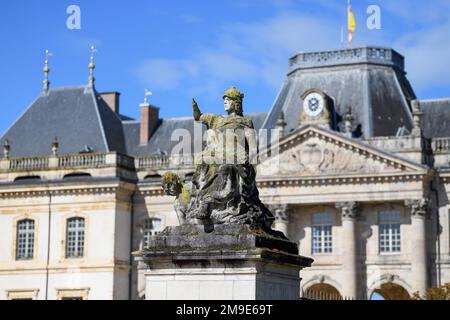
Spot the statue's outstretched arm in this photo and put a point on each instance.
(196, 110)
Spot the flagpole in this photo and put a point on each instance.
(348, 6)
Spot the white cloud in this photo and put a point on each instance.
(418, 12)
(257, 52)
(164, 73)
(246, 52)
(427, 53)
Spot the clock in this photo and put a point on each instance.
(313, 104)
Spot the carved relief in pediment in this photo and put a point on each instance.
(315, 156)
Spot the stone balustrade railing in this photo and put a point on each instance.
(20, 164)
(96, 160)
(82, 160)
(440, 145)
(71, 161)
(374, 55)
(164, 162)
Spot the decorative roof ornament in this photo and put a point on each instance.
(92, 67)
(46, 82)
(281, 124)
(417, 116)
(233, 94)
(147, 93)
(55, 146)
(6, 149)
(348, 122)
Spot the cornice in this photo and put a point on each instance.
(340, 180)
(55, 190)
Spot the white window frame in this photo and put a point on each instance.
(322, 244)
(29, 240)
(389, 232)
(72, 294)
(22, 294)
(79, 236)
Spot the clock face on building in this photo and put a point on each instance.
(313, 104)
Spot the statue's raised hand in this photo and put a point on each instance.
(196, 110)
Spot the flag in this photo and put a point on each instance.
(351, 24)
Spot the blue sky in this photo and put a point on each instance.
(198, 48)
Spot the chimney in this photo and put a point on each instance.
(149, 121)
(112, 100)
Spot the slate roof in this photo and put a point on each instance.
(369, 79)
(436, 118)
(79, 117)
(161, 140)
(75, 115)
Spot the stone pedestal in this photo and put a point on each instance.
(231, 262)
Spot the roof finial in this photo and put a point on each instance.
(46, 82)
(92, 67)
(55, 146)
(6, 149)
(147, 93)
(417, 116)
(348, 122)
(281, 124)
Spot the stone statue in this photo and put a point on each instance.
(174, 185)
(223, 188)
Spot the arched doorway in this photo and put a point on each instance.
(391, 291)
(322, 291)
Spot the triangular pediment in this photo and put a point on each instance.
(313, 151)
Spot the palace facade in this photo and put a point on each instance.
(360, 180)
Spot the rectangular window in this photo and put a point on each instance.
(30, 294)
(75, 238)
(322, 238)
(72, 294)
(25, 240)
(389, 231)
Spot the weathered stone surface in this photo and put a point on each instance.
(223, 188)
(222, 242)
(222, 262)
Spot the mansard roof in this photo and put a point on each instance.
(436, 118)
(371, 80)
(76, 116)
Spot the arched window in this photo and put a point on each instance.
(390, 291)
(151, 227)
(322, 238)
(75, 238)
(322, 291)
(25, 240)
(389, 231)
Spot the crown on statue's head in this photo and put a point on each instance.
(234, 94)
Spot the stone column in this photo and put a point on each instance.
(419, 278)
(349, 214)
(281, 213)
